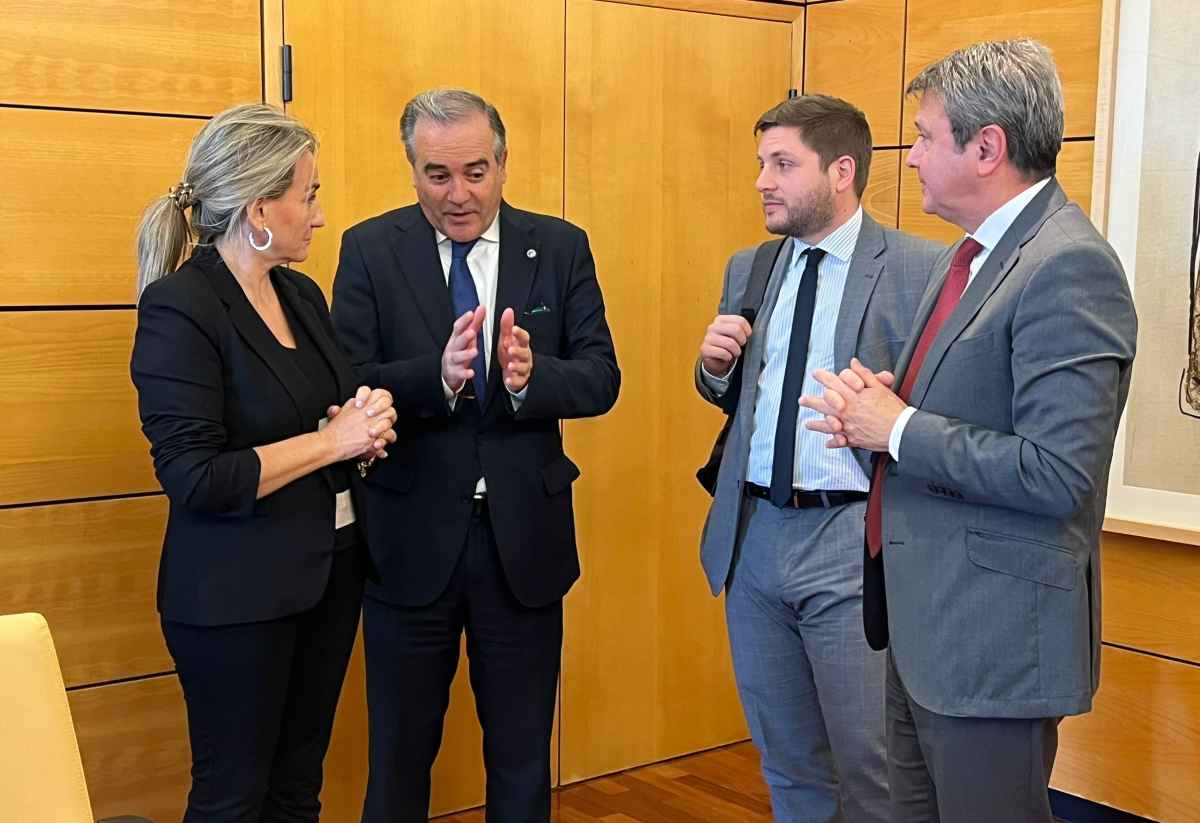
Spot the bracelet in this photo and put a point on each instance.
(363, 465)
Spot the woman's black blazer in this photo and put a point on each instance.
(213, 382)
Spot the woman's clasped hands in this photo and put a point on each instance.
(362, 426)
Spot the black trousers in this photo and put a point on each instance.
(260, 704)
(412, 655)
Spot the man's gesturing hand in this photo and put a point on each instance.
(723, 343)
(459, 356)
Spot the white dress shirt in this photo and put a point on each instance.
(483, 261)
(988, 234)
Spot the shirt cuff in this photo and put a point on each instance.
(719, 385)
(451, 395)
(898, 432)
(517, 398)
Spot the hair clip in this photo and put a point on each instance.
(181, 195)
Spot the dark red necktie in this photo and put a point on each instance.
(952, 290)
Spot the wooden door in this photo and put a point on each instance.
(661, 163)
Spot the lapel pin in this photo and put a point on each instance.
(531, 253)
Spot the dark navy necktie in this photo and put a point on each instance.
(782, 464)
(464, 297)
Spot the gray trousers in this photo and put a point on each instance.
(811, 688)
(966, 769)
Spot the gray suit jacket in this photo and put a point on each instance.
(888, 275)
(992, 516)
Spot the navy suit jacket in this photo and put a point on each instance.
(392, 312)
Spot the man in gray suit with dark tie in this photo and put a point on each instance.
(784, 535)
(988, 494)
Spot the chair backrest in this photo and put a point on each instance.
(41, 775)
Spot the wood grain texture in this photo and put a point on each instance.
(785, 11)
(357, 64)
(1106, 86)
(1151, 589)
(91, 570)
(80, 180)
(1069, 28)
(1154, 531)
(856, 52)
(663, 181)
(1139, 749)
(1074, 175)
(134, 745)
(71, 416)
(170, 56)
(799, 55)
(880, 200)
(272, 50)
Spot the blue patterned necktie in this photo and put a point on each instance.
(464, 297)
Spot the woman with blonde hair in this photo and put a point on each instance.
(254, 426)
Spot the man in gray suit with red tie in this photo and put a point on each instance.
(983, 526)
(784, 534)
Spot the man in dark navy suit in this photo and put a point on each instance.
(487, 325)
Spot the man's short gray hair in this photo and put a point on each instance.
(1013, 84)
(448, 106)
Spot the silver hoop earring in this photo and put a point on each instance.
(264, 246)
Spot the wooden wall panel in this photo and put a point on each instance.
(72, 426)
(353, 96)
(1070, 28)
(91, 570)
(1151, 589)
(783, 11)
(171, 56)
(133, 740)
(1139, 749)
(857, 54)
(1074, 174)
(663, 181)
(82, 178)
(883, 187)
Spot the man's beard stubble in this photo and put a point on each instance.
(813, 213)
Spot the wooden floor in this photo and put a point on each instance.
(718, 786)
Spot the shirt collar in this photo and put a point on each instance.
(838, 244)
(998, 222)
(490, 234)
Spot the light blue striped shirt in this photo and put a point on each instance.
(816, 467)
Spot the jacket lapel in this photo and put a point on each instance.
(419, 263)
(517, 269)
(924, 310)
(253, 329)
(866, 265)
(752, 367)
(999, 263)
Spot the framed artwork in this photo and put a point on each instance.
(1153, 184)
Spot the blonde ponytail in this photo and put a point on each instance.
(242, 154)
(162, 236)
